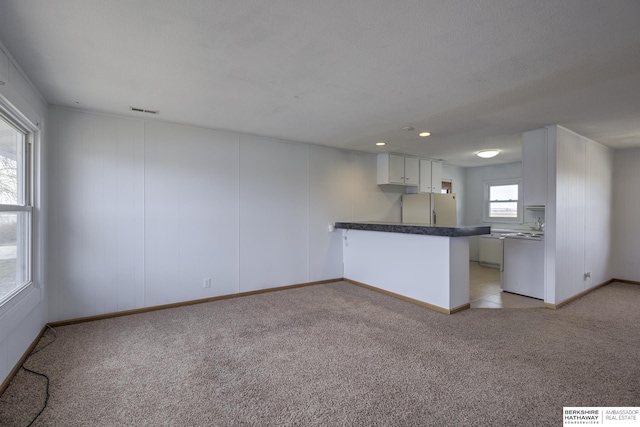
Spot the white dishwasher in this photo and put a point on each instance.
(523, 265)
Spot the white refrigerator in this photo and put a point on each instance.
(429, 209)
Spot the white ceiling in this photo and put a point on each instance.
(345, 73)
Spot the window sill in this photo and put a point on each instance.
(503, 220)
(23, 301)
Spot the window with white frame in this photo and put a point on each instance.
(502, 201)
(15, 206)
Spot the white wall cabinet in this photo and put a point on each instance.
(430, 176)
(436, 177)
(534, 167)
(411, 171)
(398, 169)
(425, 176)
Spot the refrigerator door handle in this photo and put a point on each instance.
(502, 262)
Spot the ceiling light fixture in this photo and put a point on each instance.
(487, 154)
(381, 143)
(424, 134)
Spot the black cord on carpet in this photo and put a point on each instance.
(37, 350)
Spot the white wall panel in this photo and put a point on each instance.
(191, 213)
(65, 248)
(550, 220)
(331, 191)
(274, 213)
(96, 214)
(598, 213)
(570, 218)
(626, 202)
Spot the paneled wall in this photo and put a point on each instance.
(274, 213)
(144, 211)
(570, 214)
(578, 238)
(626, 202)
(599, 211)
(190, 213)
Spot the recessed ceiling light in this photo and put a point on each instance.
(487, 154)
(381, 143)
(424, 134)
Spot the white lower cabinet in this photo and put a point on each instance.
(523, 267)
(490, 251)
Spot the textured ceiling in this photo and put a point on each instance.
(345, 73)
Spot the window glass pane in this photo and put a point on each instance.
(503, 192)
(11, 161)
(14, 250)
(503, 209)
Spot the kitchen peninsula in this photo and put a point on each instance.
(428, 265)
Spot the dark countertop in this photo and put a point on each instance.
(427, 230)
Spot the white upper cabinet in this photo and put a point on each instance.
(398, 169)
(534, 167)
(436, 177)
(430, 176)
(425, 176)
(411, 170)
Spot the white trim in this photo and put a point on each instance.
(15, 208)
(21, 123)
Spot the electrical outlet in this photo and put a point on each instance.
(206, 283)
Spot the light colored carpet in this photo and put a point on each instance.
(336, 354)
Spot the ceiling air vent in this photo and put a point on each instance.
(142, 110)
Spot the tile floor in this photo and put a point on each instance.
(485, 292)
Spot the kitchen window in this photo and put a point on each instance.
(15, 206)
(502, 201)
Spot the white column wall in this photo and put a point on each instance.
(599, 214)
(143, 211)
(570, 218)
(578, 236)
(626, 202)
